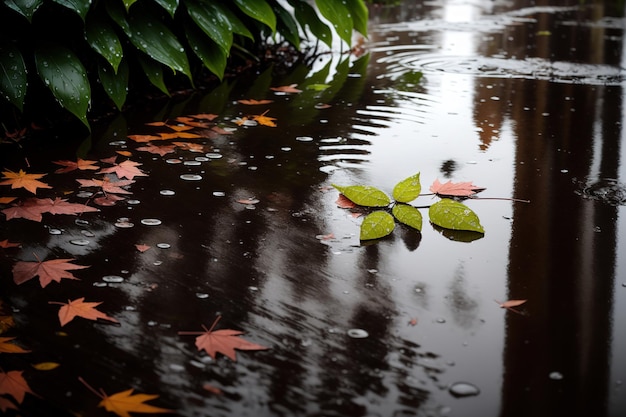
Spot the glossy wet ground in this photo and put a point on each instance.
(524, 100)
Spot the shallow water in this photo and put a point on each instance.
(524, 100)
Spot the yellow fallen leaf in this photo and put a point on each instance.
(46, 366)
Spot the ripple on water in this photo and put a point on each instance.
(463, 389)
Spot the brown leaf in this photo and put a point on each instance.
(6, 347)
(127, 169)
(158, 150)
(253, 102)
(291, 88)
(107, 185)
(14, 384)
(48, 271)
(23, 180)
(344, 202)
(80, 308)
(190, 121)
(6, 200)
(6, 404)
(80, 164)
(124, 153)
(511, 303)
(142, 248)
(144, 138)
(5, 244)
(212, 389)
(222, 341)
(459, 189)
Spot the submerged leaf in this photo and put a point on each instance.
(364, 195)
(451, 214)
(376, 225)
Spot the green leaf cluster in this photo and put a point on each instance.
(446, 213)
(72, 47)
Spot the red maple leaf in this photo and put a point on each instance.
(190, 121)
(222, 341)
(32, 208)
(127, 169)
(191, 147)
(48, 271)
(80, 308)
(14, 384)
(459, 189)
(107, 185)
(6, 404)
(253, 102)
(158, 150)
(6, 244)
(80, 164)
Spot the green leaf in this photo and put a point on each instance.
(13, 81)
(408, 189)
(64, 74)
(115, 83)
(128, 3)
(211, 54)
(339, 16)
(154, 72)
(307, 16)
(118, 14)
(26, 8)
(451, 214)
(376, 225)
(170, 6)
(81, 7)
(103, 39)
(360, 15)
(408, 215)
(287, 26)
(152, 36)
(364, 195)
(317, 87)
(212, 22)
(258, 10)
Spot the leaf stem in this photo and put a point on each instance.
(80, 378)
(517, 200)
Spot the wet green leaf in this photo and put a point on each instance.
(259, 10)
(26, 8)
(81, 7)
(408, 189)
(13, 82)
(212, 22)
(451, 214)
(169, 5)
(376, 225)
(306, 16)
(62, 72)
(103, 39)
(115, 85)
(287, 26)
(364, 195)
(128, 3)
(317, 87)
(154, 72)
(211, 54)
(359, 15)
(408, 215)
(339, 16)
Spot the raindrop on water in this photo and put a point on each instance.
(219, 193)
(117, 143)
(192, 163)
(304, 139)
(557, 376)
(163, 245)
(99, 284)
(81, 222)
(202, 159)
(133, 202)
(440, 320)
(167, 192)
(55, 231)
(112, 278)
(357, 333)
(124, 223)
(173, 161)
(84, 194)
(151, 222)
(190, 177)
(463, 389)
(214, 155)
(202, 295)
(79, 242)
(87, 233)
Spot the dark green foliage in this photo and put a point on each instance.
(68, 48)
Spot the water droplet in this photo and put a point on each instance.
(163, 245)
(202, 159)
(130, 308)
(112, 278)
(151, 222)
(79, 242)
(192, 163)
(214, 155)
(357, 333)
(81, 222)
(440, 320)
(117, 143)
(463, 389)
(557, 376)
(84, 194)
(202, 295)
(190, 177)
(285, 148)
(99, 284)
(304, 139)
(253, 288)
(624, 284)
(55, 231)
(219, 193)
(87, 233)
(133, 202)
(564, 171)
(124, 224)
(173, 161)
(157, 263)
(167, 192)
(152, 323)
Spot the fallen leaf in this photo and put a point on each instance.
(107, 200)
(6, 321)
(5, 244)
(329, 236)
(14, 384)
(179, 135)
(240, 121)
(23, 180)
(6, 200)
(511, 303)
(248, 201)
(124, 402)
(222, 341)
(156, 124)
(144, 138)
(190, 121)
(413, 321)
(80, 308)
(345, 202)
(253, 102)
(110, 160)
(158, 150)
(264, 120)
(291, 88)
(80, 164)
(124, 153)
(6, 347)
(204, 116)
(46, 366)
(33, 208)
(212, 389)
(459, 189)
(127, 169)
(142, 248)
(48, 271)
(107, 185)
(191, 147)
(6, 404)
(179, 128)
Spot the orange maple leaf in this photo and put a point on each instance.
(144, 138)
(190, 121)
(23, 180)
(6, 244)
(204, 116)
(6, 200)
(6, 347)
(291, 88)
(253, 102)
(107, 185)
(80, 308)
(459, 189)
(48, 271)
(6, 404)
(124, 402)
(178, 135)
(158, 150)
(80, 164)
(14, 384)
(222, 341)
(33, 208)
(127, 169)
(264, 120)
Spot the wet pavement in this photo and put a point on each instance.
(526, 100)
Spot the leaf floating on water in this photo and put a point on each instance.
(291, 88)
(5, 244)
(80, 164)
(21, 179)
(451, 214)
(364, 195)
(408, 189)
(142, 248)
(408, 215)
(80, 308)
(264, 120)
(511, 303)
(253, 102)
(377, 225)
(46, 366)
(6, 347)
(48, 271)
(459, 189)
(14, 384)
